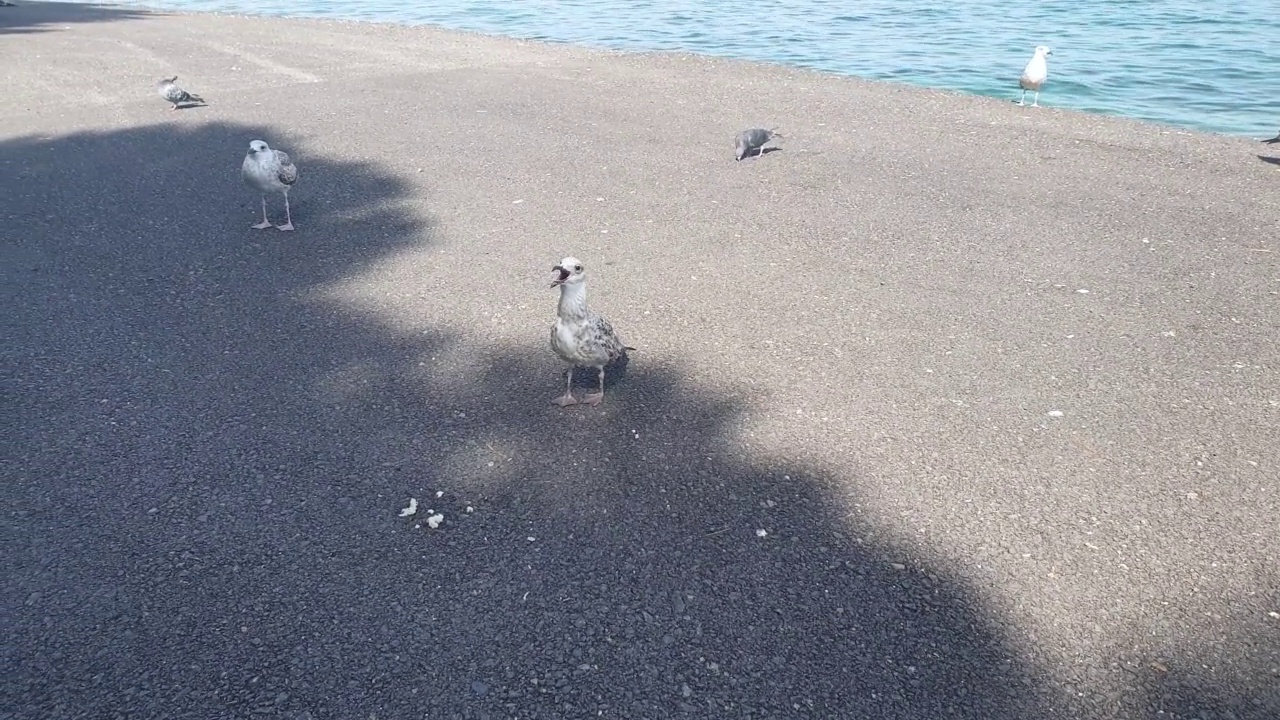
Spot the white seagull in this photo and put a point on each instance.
(581, 337)
(1034, 75)
(269, 171)
(169, 90)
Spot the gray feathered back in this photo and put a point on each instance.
(749, 141)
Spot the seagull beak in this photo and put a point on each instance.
(563, 275)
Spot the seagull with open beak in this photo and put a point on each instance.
(581, 337)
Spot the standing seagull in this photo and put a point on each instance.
(269, 171)
(1034, 75)
(169, 90)
(753, 141)
(581, 337)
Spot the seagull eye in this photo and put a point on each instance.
(577, 268)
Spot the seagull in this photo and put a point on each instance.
(1034, 75)
(753, 140)
(581, 337)
(269, 171)
(170, 91)
(1273, 140)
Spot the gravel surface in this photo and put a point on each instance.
(946, 409)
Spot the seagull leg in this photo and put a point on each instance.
(567, 398)
(265, 222)
(1023, 100)
(288, 217)
(594, 398)
(1035, 102)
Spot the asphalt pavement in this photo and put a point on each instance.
(949, 408)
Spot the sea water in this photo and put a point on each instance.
(1211, 66)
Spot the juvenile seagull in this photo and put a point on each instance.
(753, 140)
(1034, 75)
(581, 337)
(269, 171)
(170, 91)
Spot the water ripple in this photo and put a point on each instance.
(1182, 62)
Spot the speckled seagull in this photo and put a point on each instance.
(753, 141)
(169, 90)
(1034, 75)
(581, 337)
(269, 171)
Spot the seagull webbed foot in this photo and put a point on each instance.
(566, 400)
(262, 225)
(286, 226)
(592, 399)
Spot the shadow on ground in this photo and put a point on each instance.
(22, 17)
(1181, 680)
(208, 464)
(1188, 692)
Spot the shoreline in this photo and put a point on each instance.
(933, 408)
(810, 65)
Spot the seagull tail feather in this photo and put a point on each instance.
(195, 98)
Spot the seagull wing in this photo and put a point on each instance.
(602, 341)
(288, 172)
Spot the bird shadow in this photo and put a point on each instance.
(762, 153)
(1269, 159)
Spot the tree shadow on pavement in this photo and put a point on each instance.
(24, 17)
(208, 463)
(1183, 682)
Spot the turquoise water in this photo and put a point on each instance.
(1211, 66)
